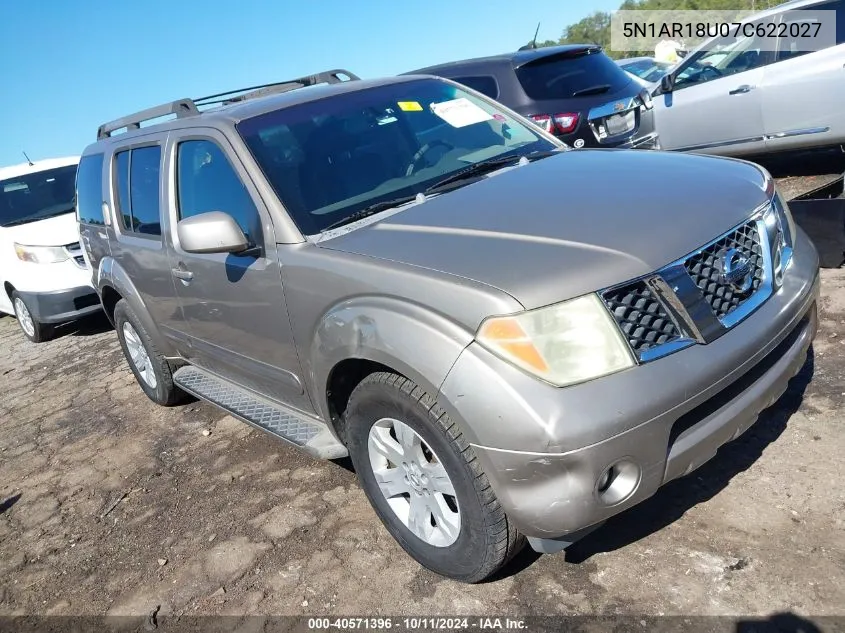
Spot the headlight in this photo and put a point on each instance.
(41, 254)
(563, 344)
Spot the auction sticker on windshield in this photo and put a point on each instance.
(410, 106)
(460, 112)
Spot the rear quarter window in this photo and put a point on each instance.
(89, 190)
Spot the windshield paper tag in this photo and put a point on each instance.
(409, 106)
(460, 112)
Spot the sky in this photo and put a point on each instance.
(69, 65)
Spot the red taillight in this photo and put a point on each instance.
(566, 122)
(543, 120)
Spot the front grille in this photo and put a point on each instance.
(704, 269)
(75, 252)
(695, 299)
(640, 316)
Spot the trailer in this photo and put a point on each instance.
(818, 205)
(813, 183)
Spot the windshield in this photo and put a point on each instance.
(566, 75)
(724, 57)
(648, 69)
(330, 158)
(37, 196)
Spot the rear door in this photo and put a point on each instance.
(716, 104)
(137, 201)
(803, 91)
(234, 304)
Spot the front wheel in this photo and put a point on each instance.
(424, 481)
(32, 329)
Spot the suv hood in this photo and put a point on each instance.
(570, 224)
(57, 231)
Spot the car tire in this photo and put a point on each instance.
(471, 537)
(33, 330)
(151, 369)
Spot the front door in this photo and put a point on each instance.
(716, 104)
(234, 305)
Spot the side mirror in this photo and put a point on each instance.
(667, 83)
(212, 232)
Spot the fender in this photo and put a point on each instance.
(111, 274)
(416, 342)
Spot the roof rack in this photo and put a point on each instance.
(232, 96)
(181, 108)
(190, 107)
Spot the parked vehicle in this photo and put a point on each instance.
(575, 92)
(42, 268)
(732, 96)
(381, 269)
(646, 68)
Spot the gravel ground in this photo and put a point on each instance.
(112, 505)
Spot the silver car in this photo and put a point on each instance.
(509, 338)
(733, 96)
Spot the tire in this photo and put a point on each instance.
(151, 369)
(485, 539)
(33, 330)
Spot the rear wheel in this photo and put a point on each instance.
(31, 328)
(424, 481)
(151, 369)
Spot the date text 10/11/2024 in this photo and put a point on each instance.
(416, 623)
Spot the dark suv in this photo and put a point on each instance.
(575, 92)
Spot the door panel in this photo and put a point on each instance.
(234, 304)
(135, 189)
(803, 92)
(722, 116)
(716, 105)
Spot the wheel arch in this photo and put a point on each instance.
(373, 334)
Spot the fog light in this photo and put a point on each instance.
(618, 482)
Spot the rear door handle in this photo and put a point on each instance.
(741, 90)
(184, 275)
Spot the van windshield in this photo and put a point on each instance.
(330, 158)
(36, 196)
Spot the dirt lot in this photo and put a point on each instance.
(111, 504)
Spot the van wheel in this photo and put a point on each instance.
(151, 369)
(32, 329)
(424, 481)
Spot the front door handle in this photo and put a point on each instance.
(184, 275)
(741, 90)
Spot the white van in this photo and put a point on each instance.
(44, 276)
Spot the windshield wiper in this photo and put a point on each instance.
(371, 210)
(473, 171)
(592, 90)
(486, 166)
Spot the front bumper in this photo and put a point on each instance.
(544, 449)
(60, 306)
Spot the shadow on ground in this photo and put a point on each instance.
(8, 503)
(88, 326)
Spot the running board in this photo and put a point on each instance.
(293, 427)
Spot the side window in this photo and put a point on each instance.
(486, 85)
(790, 45)
(89, 190)
(144, 177)
(138, 177)
(206, 181)
(728, 56)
